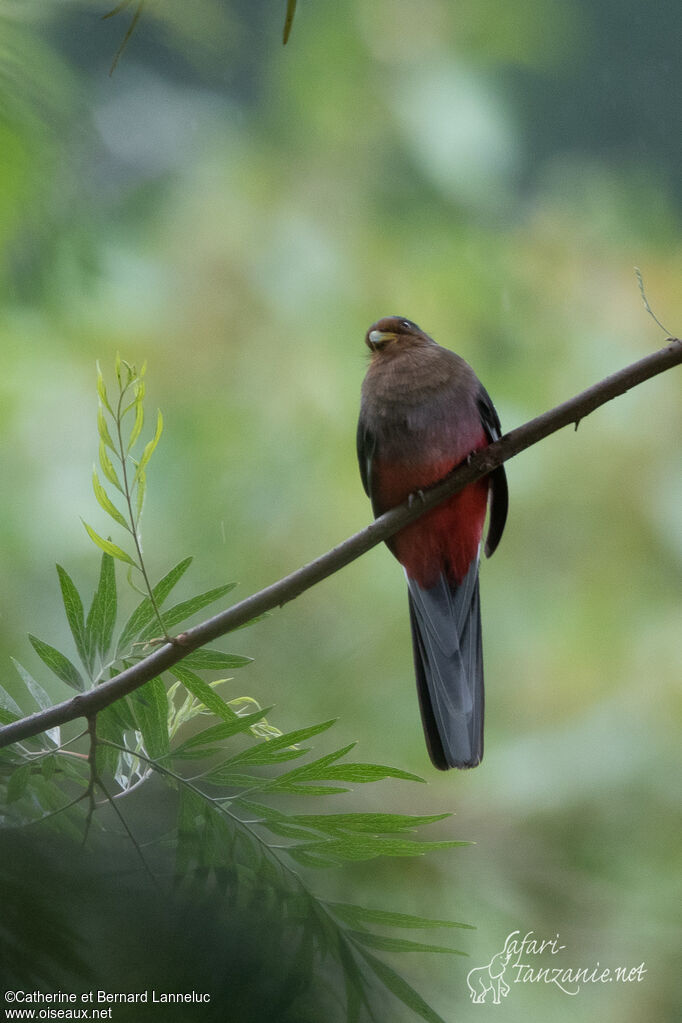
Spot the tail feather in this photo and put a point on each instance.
(448, 659)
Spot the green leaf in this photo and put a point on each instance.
(363, 773)
(109, 726)
(357, 848)
(287, 830)
(105, 503)
(217, 733)
(7, 717)
(150, 447)
(38, 694)
(259, 812)
(108, 547)
(144, 612)
(324, 769)
(139, 414)
(107, 466)
(136, 379)
(373, 823)
(308, 857)
(191, 822)
(57, 663)
(76, 770)
(264, 753)
(179, 612)
(130, 373)
(214, 660)
(141, 491)
(225, 770)
(73, 605)
(10, 705)
(304, 790)
(355, 984)
(102, 391)
(103, 429)
(203, 692)
(289, 781)
(384, 944)
(99, 626)
(121, 711)
(242, 781)
(358, 916)
(150, 707)
(18, 782)
(399, 987)
(268, 751)
(205, 839)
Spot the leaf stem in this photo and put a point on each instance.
(123, 457)
(94, 779)
(53, 813)
(128, 832)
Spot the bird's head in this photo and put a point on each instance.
(393, 334)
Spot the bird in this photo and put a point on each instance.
(423, 411)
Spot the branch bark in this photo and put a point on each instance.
(291, 586)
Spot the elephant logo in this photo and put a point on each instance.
(483, 979)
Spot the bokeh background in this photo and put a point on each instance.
(237, 213)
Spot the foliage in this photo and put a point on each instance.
(227, 832)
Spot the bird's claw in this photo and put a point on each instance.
(418, 495)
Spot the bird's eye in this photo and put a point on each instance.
(406, 323)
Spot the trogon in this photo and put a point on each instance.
(424, 411)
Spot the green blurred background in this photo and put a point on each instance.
(237, 214)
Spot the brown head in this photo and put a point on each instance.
(393, 334)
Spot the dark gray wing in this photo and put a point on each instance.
(366, 446)
(499, 492)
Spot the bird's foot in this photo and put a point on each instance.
(418, 495)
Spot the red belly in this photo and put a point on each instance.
(444, 540)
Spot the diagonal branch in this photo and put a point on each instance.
(291, 586)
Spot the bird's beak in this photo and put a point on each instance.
(378, 338)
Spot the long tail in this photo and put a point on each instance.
(448, 660)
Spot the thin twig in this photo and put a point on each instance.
(117, 9)
(131, 28)
(127, 830)
(52, 813)
(289, 20)
(291, 586)
(640, 282)
(94, 779)
(34, 756)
